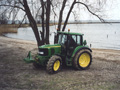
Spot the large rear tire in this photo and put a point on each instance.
(54, 64)
(82, 59)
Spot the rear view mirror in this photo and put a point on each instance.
(84, 43)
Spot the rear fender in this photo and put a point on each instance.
(77, 49)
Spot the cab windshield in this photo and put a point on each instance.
(62, 39)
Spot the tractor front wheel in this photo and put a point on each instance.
(54, 64)
(82, 59)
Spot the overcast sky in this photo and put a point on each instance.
(111, 11)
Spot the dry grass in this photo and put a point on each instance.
(8, 29)
(12, 28)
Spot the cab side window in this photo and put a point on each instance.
(78, 40)
(74, 38)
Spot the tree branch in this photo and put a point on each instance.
(38, 12)
(20, 2)
(10, 12)
(53, 9)
(55, 15)
(22, 21)
(102, 20)
(12, 6)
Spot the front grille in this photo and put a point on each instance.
(43, 51)
(52, 51)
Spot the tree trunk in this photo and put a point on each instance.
(32, 22)
(61, 14)
(68, 15)
(47, 20)
(42, 17)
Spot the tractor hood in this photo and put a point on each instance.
(49, 50)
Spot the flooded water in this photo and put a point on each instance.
(105, 36)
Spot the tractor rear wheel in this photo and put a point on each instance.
(82, 59)
(54, 64)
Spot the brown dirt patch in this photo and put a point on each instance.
(15, 74)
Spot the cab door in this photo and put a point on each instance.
(73, 42)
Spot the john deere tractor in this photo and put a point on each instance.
(70, 50)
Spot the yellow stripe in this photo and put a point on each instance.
(53, 46)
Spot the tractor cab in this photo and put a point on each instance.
(69, 41)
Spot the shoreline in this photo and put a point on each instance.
(106, 54)
(99, 49)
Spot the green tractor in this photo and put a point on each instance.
(70, 50)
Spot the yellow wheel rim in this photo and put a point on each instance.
(84, 60)
(56, 65)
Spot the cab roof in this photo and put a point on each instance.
(71, 33)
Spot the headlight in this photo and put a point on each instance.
(41, 53)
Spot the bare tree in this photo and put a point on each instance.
(43, 10)
(71, 8)
(32, 21)
(87, 6)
